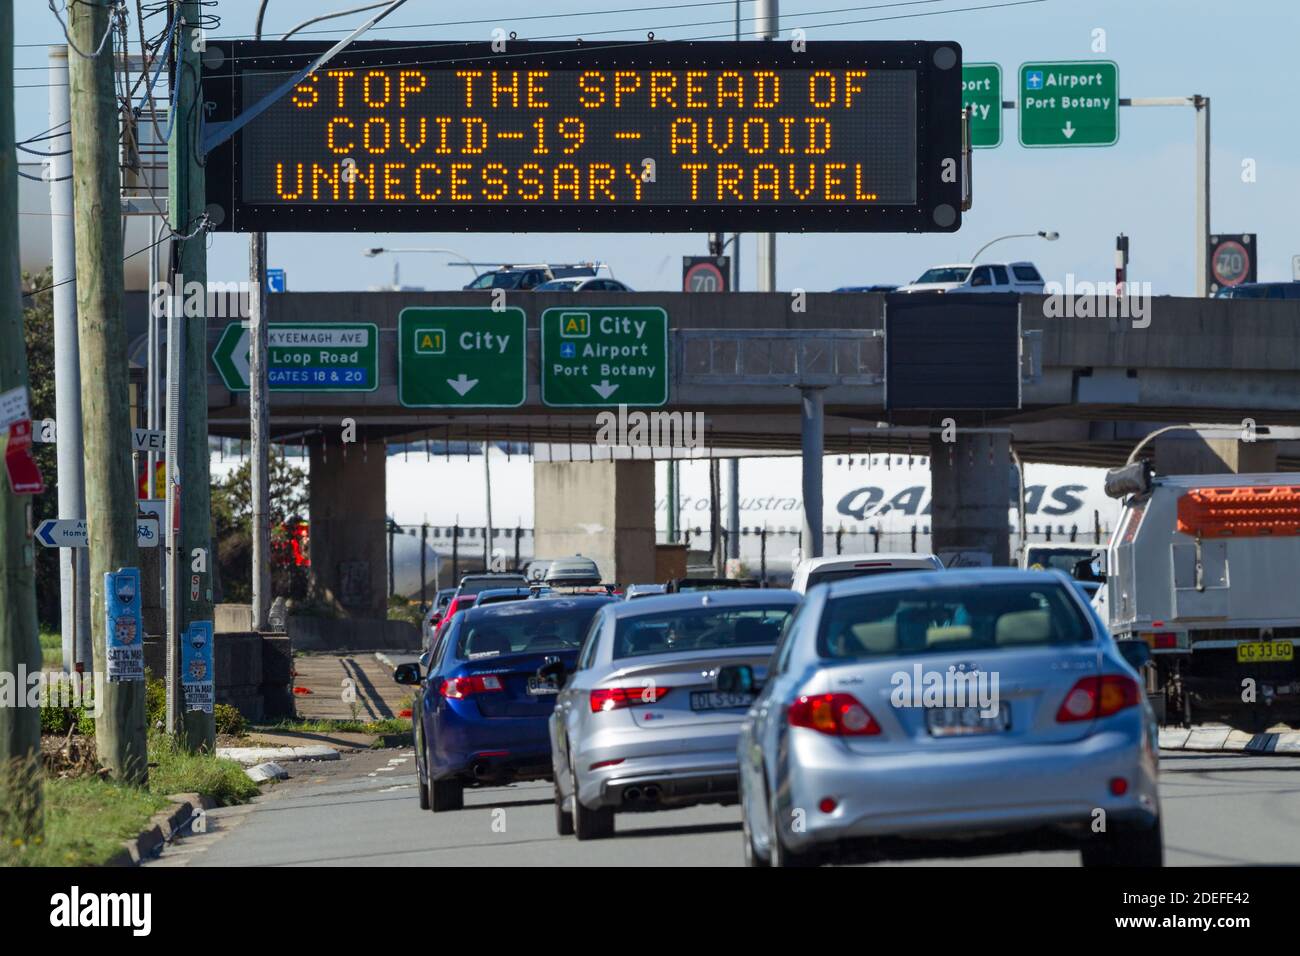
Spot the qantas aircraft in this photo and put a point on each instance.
(873, 503)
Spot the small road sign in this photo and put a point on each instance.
(276, 281)
(599, 357)
(338, 357)
(1232, 261)
(706, 273)
(461, 357)
(71, 532)
(1069, 103)
(981, 93)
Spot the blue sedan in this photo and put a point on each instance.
(487, 690)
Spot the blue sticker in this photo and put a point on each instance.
(196, 666)
(123, 626)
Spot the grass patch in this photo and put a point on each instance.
(177, 771)
(391, 725)
(86, 821)
(51, 649)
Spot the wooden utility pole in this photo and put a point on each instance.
(186, 205)
(20, 727)
(110, 485)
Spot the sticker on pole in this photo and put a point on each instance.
(196, 667)
(123, 627)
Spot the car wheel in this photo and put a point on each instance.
(421, 783)
(1125, 846)
(779, 855)
(752, 856)
(446, 795)
(563, 821)
(589, 824)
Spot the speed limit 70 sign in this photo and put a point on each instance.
(706, 273)
(1232, 261)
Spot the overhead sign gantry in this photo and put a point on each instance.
(630, 137)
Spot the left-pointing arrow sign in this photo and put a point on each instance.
(71, 532)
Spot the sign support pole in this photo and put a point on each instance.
(259, 427)
(767, 18)
(73, 562)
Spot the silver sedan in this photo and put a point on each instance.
(640, 724)
(945, 713)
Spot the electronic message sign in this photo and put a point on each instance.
(654, 136)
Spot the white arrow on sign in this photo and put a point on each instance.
(1068, 129)
(462, 384)
(604, 389)
(239, 357)
(71, 532)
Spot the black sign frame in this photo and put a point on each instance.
(939, 137)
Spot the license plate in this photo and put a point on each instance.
(1258, 651)
(718, 700)
(965, 721)
(540, 686)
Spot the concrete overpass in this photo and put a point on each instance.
(1092, 387)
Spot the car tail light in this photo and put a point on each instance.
(612, 698)
(458, 688)
(840, 715)
(1094, 697)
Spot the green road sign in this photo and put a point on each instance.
(461, 357)
(336, 357)
(593, 358)
(981, 92)
(1069, 103)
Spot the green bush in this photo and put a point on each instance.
(173, 770)
(155, 701)
(229, 720)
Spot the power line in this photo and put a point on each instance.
(425, 61)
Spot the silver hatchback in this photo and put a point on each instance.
(640, 725)
(949, 712)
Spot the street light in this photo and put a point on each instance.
(380, 250)
(1049, 235)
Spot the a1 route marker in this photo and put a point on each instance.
(603, 357)
(1069, 103)
(981, 92)
(461, 357)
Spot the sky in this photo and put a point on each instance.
(1242, 55)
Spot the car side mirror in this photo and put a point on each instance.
(408, 673)
(737, 679)
(1137, 653)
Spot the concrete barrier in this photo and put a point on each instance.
(355, 634)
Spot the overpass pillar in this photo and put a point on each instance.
(812, 426)
(349, 557)
(970, 480)
(1190, 453)
(603, 510)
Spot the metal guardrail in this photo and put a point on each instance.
(795, 357)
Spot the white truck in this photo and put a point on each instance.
(1206, 570)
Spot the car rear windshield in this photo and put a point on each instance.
(843, 574)
(526, 628)
(1047, 558)
(476, 585)
(950, 620)
(1027, 274)
(943, 275)
(698, 629)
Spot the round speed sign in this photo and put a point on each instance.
(704, 277)
(1230, 263)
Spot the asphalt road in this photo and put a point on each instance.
(362, 811)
